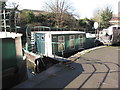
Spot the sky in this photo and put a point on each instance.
(83, 8)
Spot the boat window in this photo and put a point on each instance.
(38, 37)
(42, 37)
(80, 40)
(114, 28)
(54, 37)
(72, 37)
(61, 40)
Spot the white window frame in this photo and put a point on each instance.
(73, 41)
(80, 39)
(42, 37)
(61, 41)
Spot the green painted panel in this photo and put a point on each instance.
(54, 45)
(77, 41)
(8, 53)
(40, 42)
(67, 42)
(67, 45)
(89, 43)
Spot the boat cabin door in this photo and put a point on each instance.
(40, 42)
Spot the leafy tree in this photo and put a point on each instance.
(69, 21)
(30, 17)
(82, 22)
(46, 19)
(22, 18)
(50, 19)
(103, 17)
(87, 24)
(41, 18)
(106, 16)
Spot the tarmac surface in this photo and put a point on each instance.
(99, 68)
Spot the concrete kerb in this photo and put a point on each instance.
(75, 56)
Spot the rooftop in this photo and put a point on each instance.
(115, 18)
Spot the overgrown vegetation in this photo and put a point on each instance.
(103, 17)
(61, 15)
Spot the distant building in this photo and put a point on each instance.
(115, 19)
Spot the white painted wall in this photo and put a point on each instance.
(48, 44)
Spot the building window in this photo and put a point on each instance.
(72, 37)
(80, 40)
(61, 40)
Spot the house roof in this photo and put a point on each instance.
(115, 18)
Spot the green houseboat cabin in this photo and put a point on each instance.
(57, 42)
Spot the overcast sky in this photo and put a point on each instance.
(84, 8)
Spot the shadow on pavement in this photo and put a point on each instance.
(57, 76)
(92, 62)
(63, 77)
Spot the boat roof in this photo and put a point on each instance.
(60, 32)
(89, 35)
(9, 35)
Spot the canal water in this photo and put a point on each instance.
(31, 67)
(48, 62)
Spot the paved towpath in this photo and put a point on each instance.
(99, 68)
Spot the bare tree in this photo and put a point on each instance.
(97, 15)
(60, 8)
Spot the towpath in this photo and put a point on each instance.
(99, 68)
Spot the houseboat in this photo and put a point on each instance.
(42, 42)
